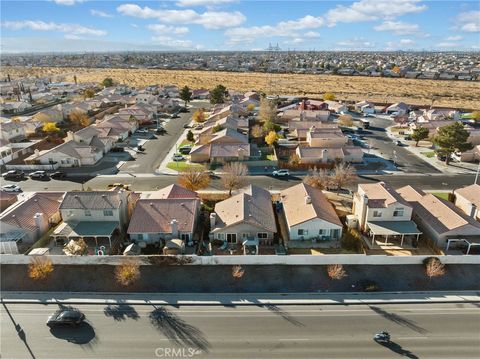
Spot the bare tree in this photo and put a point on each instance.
(40, 268)
(257, 131)
(76, 248)
(342, 175)
(79, 117)
(434, 267)
(237, 272)
(336, 271)
(267, 111)
(318, 178)
(127, 273)
(234, 176)
(194, 179)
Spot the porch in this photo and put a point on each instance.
(396, 231)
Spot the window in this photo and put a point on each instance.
(185, 237)
(245, 235)
(302, 232)
(322, 232)
(262, 235)
(231, 237)
(398, 212)
(140, 236)
(88, 213)
(221, 236)
(108, 213)
(335, 233)
(377, 214)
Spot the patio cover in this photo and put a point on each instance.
(392, 228)
(86, 229)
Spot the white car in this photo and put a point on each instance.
(142, 131)
(11, 188)
(281, 173)
(178, 157)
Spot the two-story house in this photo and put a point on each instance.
(468, 200)
(12, 131)
(383, 212)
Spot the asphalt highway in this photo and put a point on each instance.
(418, 331)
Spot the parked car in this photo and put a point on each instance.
(442, 156)
(13, 175)
(160, 130)
(186, 125)
(11, 188)
(117, 149)
(281, 173)
(118, 185)
(185, 150)
(70, 317)
(39, 175)
(174, 115)
(199, 127)
(163, 115)
(58, 175)
(177, 157)
(142, 131)
(398, 143)
(183, 110)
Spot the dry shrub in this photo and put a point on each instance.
(237, 272)
(127, 273)
(40, 268)
(434, 267)
(336, 271)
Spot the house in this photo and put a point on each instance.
(304, 115)
(52, 114)
(468, 200)
(28, 220)
(139, 113)
(382, 211)
(160, 220)
(309, 214)
(119, 128)
(245, 218)
(15, 107)
(7, 199)
(337, 107)
(398, 108)
(440, 220)
(222, 152)
(200, 94)
(299, 129)
(95, 214)
(12, 131)
(314, 155)
(365, 107)
(82, 107)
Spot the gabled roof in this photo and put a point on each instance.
(380, 195)
(297, 210)
(252, 206)
(156, 215)
(22, 215)
(175, 191)
(95, 200)
(229, 135)
(470, 193)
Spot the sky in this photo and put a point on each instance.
(229, 25)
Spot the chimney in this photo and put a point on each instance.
(70, 136)
(324, 156)
(213, 219)
(363, 213)
(308, 199)
(473, 210)
(174, 225)
(40, 223)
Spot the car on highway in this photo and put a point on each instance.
(14, 175)
(39, 175)
(11, 188)
(281, 173)
(58, 175)
(71, 317)
(177, 157)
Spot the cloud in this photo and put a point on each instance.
(187, 3)
(356, 43)
(311, 35)
(208, 19)
(73, 29)
(470, 21)
(99, 13)
(164, 29)
(398, 27)
(294, 41)
(368, 10)
(407, 42)
(68, 2)
(454, 38)
(446, 44)
(135, 26)
(171, 42)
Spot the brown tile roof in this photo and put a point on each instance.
(470, 193)
(22, 215)
(298, 211)
(156, 215)
(380, 195)
(252, 206)
(175, 191)
(92, 200)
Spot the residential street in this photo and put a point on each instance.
(149, 331)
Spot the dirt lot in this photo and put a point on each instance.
(457, 94)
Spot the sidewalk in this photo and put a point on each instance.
(241, 299)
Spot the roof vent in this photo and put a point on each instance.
(104, 195)
(76, 196)
(151, 204)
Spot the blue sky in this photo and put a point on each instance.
(89, 25)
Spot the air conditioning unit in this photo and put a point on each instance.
(352, 221)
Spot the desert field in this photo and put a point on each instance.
(456, 94)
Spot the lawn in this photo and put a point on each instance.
(185, 143)
(183, 166)
(442, 195)
(429, 154)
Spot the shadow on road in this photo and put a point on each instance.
(284, 315)
(20, 331)
(177, 330)
(399, 320)
(121, 312)
(394, 347)
(84, 334)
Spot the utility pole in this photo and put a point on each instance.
(478, 172)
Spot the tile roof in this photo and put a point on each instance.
(156, 215)
(298, 211)
(174, 191)
(92, 200)
(470, 193)
(252, 206)
(380, 195)
(22, 214)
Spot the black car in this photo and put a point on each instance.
(160, 131)
(13, 175)
(117, 149)
(58, 175)
(185, 150)
(70, 317)
(183, 110)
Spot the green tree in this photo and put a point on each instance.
(217, 95)
(190, 136)
(107, 82)
(418, 134)
(328, 96)
(186, 95)
(452, 138)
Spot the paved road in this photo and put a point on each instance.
(418, 331)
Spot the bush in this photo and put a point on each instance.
(433, 267)
(351, 240)
(127, 273)
(368, 285)
(40, 268)
(336, 271)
